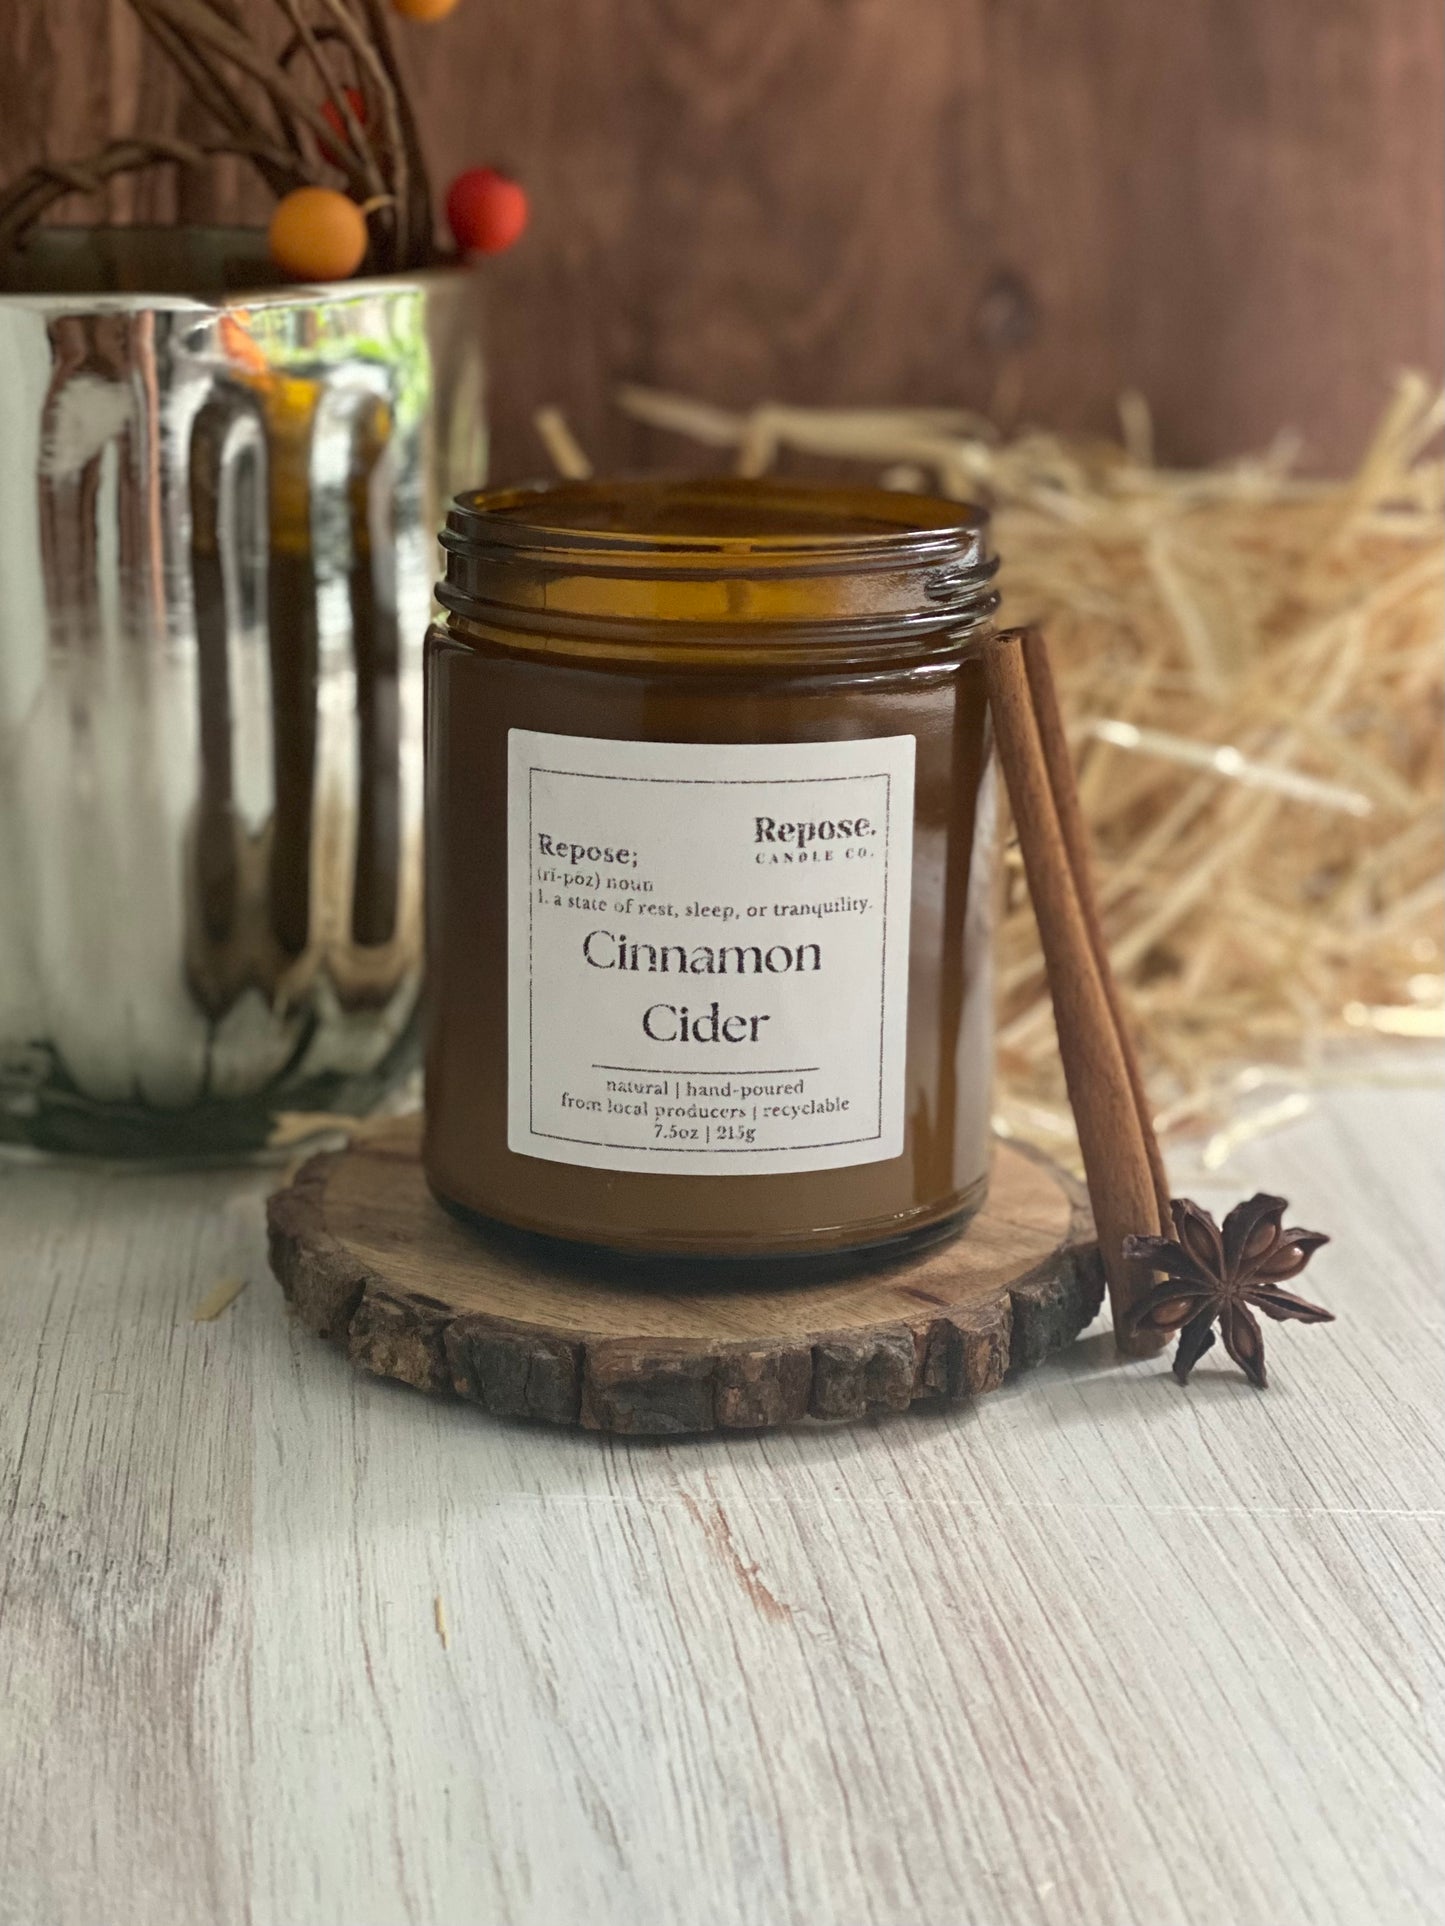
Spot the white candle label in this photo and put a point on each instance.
(708, 952)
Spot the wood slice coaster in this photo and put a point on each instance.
(372, 1261)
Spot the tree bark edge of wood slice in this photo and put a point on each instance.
(370, 1261)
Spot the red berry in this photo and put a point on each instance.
(331, 113)
(486, 210)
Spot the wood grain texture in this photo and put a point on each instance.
(1093, 1649)
(369, 1258)
(1028, 205)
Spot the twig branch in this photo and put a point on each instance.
(421, 198)
(213, 91)
(333, 89)
(200, 22)
(367, 60)
(26, 199)
(263, 115)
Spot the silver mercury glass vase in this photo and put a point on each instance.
(217, 547)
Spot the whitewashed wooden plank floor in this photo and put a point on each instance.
(1099, 1650)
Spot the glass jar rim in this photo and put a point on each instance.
(718, 560)
(766, 518)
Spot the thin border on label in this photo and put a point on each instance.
(885, 776)
(887, 1140)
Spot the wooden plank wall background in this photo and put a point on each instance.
(1232, 205)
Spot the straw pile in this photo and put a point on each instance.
(1251, 667)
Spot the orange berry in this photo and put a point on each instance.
(486, 210)
(424, 9)
(317, 235)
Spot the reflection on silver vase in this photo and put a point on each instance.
(216, 554)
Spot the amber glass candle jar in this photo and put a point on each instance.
(710, 820)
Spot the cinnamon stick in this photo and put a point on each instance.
(1112, 1134)
(1059, 762)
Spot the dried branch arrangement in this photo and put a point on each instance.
(307, 91)
(1250, 668)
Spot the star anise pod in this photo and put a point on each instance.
(1217, 1274)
